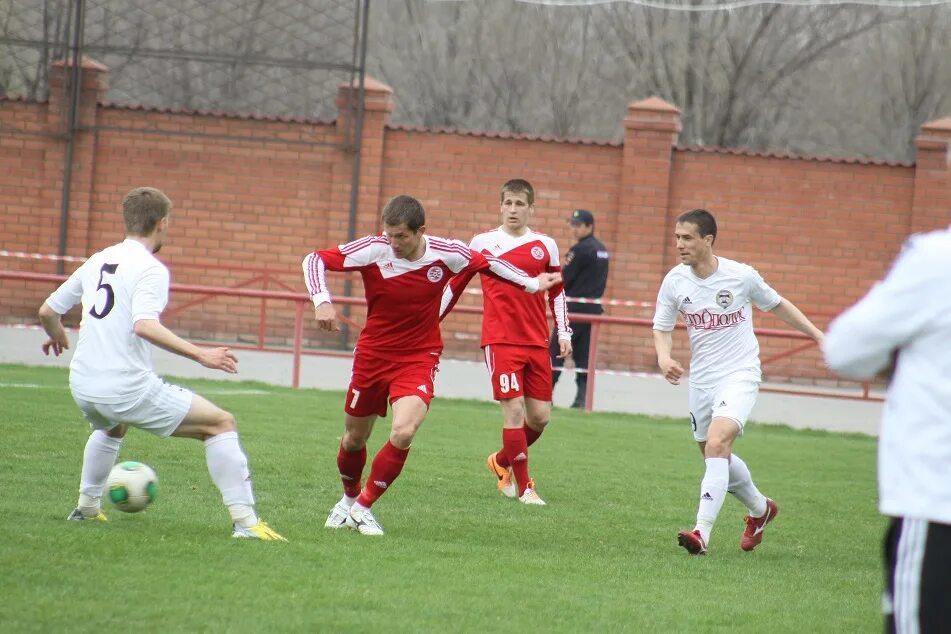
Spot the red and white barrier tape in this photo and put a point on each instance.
(588, 300)
(40, 256)
(35, 327)
(471, 291)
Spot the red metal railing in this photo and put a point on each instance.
(301, 301)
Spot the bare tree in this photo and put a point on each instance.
(33, 35)
(820, 79)
(729, 72)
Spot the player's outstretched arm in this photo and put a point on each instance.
(663, 345)
(58, 341)
(158, 335)
(788, 312)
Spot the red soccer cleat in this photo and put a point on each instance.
(692, 541)
(753, 534)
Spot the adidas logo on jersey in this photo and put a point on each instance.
(389, 266)
(722, 404)
(422, 388)
(686, 301)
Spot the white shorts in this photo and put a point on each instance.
(732, 398)
(160, 410)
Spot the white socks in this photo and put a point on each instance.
(712, 492)
(741, 485)
(228, 467)
(98, 459)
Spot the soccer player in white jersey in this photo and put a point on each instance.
(396, 356)
(123, 290)
(901, 329)
(714, 297)
(515, 336)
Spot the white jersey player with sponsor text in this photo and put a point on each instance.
(714, 297)
(123, 290)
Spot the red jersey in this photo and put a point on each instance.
(403, 297)
(511, 316)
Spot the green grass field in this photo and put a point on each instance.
(602, 556)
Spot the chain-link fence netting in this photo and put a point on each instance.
(277, 58)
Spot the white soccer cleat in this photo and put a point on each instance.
(362, 520)
(338, 515)
(531, 497)
(77, 516)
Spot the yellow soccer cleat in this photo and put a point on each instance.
(259, 531)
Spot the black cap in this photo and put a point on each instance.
(581, 217)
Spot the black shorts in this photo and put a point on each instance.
(917, 576)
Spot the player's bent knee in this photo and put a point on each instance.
(118, 431)
(717, 448)
(222, 423)
(354, 440)
(538, 424)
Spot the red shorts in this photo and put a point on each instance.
(374, 382)
(519, 371)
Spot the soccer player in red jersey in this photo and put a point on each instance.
(515, 336)
(396, 356)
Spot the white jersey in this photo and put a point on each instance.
(118, 286)
(718, 314)
(908, 312)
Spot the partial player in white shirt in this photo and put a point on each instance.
(515, 336)
(901, 330)
(714, 298)
(123, 289)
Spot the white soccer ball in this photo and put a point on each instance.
(132, 486)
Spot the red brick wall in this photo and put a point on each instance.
(820, 231)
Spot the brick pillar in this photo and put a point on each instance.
(93, 86)
(378, 106)
(931, 205)
(643, 227)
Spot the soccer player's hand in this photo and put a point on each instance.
(219, 359)
(672, 371)
(56, 346)
(564, 349)
(547, 280)
(326, 317)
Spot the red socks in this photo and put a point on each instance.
(385, 469)
(530, 437)
(350, 465)
(530, 434)
(515, 449)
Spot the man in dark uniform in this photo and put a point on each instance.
(585, 273)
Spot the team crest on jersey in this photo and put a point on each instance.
(434, 274)
(538, 253)
(724, 298)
